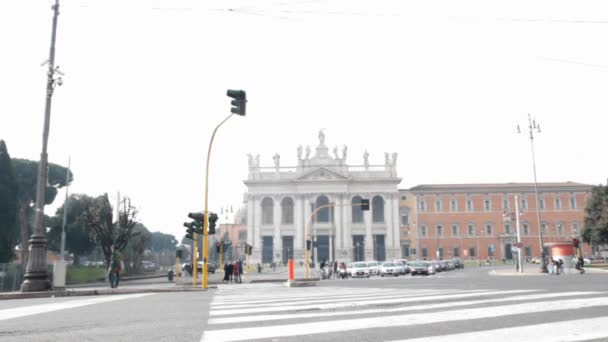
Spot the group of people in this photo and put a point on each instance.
(333, 268)
(233, 271)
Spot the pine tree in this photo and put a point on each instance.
(8, 206)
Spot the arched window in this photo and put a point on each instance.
(267, 210)
(357, 215)
(378, 209)
(323, 214)
(287, 210)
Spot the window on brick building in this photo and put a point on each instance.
(423, 230)
(471, 229)
(455, 230)
(505, 204)
(507, 228)
(438, 205)
(572, 203)
(472, 252)
(524, 203)
(425, 252)
(541, 203)
(456, 251)
(470, 205)
(560, 228)
(558, 203)
(453, 205)
(543, 228)
(439, 230)
(422, 205)
(487, 205)
(526, 229)
(575, 230)
(528, 251)
(488, 229)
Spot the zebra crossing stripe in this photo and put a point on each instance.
(565, 331)
(321, 298)
(332, 304)
(276, 317)
(237, 298)
(44, 308)
(285, 330)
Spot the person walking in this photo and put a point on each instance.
(240, 268)
(335, 275)
(226, 274)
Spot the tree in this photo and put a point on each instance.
(99, 220)
(26, 174)
(78, 240)
(8, 206)
(596, 217)
(160, 242)
(134, 253)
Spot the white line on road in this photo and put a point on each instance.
(234, 334)
(565, 331)
(43, 308)
(276, 317)
(332, 304)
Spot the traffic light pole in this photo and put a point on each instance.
(309, 220)
(204, 283)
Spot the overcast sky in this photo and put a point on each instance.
(443, 83)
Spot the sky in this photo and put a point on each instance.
(443, 83)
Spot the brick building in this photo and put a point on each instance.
(476, 221)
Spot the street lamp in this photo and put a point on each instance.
(532, 125)
(36, 274)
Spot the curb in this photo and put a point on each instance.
(96, 292)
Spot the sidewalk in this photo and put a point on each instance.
(162, 285)
(534, 270)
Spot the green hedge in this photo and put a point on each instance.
(84, 274)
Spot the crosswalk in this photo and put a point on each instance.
(278, 313)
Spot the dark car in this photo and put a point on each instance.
(420, 267)
(210, 267)
(458, 263)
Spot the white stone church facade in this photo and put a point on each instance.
(280, 201)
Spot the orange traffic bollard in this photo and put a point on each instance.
(291, 269)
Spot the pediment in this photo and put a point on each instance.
(321, 174)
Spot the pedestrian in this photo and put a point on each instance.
(235, 271)
(259, 268)
(240, 268)
(114, 269)
(335, 269)
(226, 274)
(230, 270)
(560, 265)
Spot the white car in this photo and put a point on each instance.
(374, 267)
(405, 263)
(359, 269)
(390, 269)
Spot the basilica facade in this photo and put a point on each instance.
(282, 200)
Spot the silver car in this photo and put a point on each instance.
(390, 269)
(359, 269)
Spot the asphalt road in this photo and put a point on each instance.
(474, 301)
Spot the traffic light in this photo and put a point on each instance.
(212, 219)
(307, 245)
(575, 242)
(364, 204)
(248, 249)
(190, 230)
(218, 247)
(239, 102)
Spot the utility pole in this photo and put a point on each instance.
(65, 212)
(36, 276)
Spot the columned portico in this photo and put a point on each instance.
(330, 179)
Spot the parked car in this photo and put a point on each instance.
(458, 263)
(374, 267)
(390, 268)
(403, 267)
(421, 267)
(210, 267)
(359, 269)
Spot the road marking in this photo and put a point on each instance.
(44, 308)
(564, 331)
(286, 330)
(243, 302)
(331, 304)
(276, 317)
